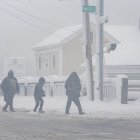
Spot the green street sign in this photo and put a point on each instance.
(89, 9)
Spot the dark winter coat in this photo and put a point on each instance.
(73, 86)
(9, 87)
(39, 92)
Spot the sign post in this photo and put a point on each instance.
(98, 90)
(87, 45)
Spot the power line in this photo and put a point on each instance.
(24, 21)
(36, 17)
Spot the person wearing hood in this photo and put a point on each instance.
(9, 88)
(73, 88)
(38, 94)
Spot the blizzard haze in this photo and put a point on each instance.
(20, 31)
(122, 11)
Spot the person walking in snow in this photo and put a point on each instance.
(9, 87)
(73, 88)
(38, 94)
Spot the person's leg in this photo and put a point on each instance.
(36, 105)
(11, 104)
(41, 105)
(69, 101)
(5, 107)
(6, 103)
(78, 104)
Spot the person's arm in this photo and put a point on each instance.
(4, 86)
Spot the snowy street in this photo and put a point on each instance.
(56, 126)
(102, 121)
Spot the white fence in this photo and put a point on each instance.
(59, 88)
(28, 89)
(113, 88)
(109, 90)
(116, 89)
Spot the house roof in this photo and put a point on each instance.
(64, 34)
(129, 51)
(59, 36)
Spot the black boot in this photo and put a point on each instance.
(4, 109)
(34, 110)
(12, 110)
(40, 111)
(81, 113)
(67, 113)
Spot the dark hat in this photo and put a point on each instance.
(42, 80)
(10, 73)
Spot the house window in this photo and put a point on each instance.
(39, 63)
(54, 61)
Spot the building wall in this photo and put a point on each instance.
(72, 56)
(47, 62)
(132, 71)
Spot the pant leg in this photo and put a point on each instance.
(6, 106)
(41, 104)
(69, 101)
(78, 104)
(6, 99)
(7, 103)
(11, 104)
(36, 104)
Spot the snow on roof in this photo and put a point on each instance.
(59, 36)
(129, 51)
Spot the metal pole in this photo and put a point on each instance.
(87, 45)
(99, 52)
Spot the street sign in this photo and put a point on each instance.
(89, 9)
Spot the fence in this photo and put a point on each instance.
(109, 89)
(27, 89)
(116, 89)
(113, 88)
(59, 88)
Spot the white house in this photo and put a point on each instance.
(126, 57)
(62, 52)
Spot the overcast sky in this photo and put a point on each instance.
(21, 30)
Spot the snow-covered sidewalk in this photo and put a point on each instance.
(91, 108)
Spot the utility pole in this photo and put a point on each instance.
(98, 89)
(87, 45)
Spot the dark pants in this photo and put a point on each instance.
(76, 101)
(9, 102)
(39, 102)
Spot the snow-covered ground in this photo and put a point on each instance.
(95, 109)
